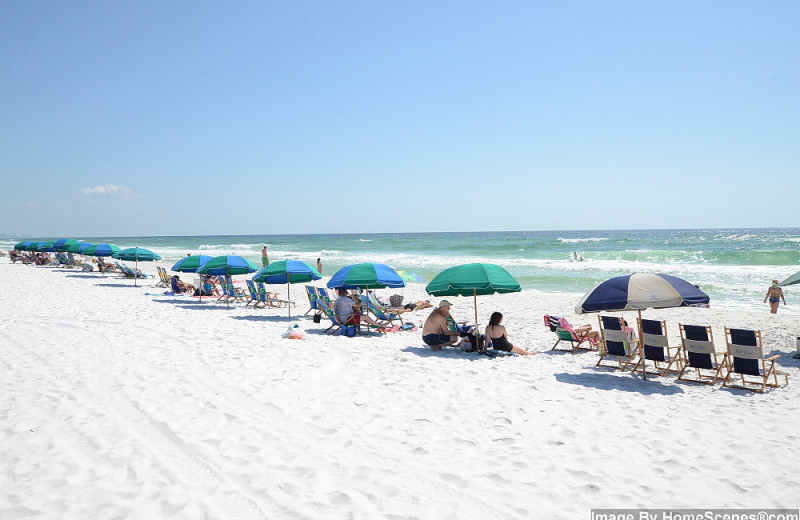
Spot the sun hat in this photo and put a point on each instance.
(445, 303)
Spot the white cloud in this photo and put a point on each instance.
(108, 190)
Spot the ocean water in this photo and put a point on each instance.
(734, 266)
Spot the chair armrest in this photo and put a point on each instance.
(772, 358)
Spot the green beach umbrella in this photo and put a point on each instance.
(46, 247)
(22, 246)
(33, 245)
(101, 250)
(135, 254)
(472, 280)
(227, 265)
(288, 272)
(190, 264)
(76, 248)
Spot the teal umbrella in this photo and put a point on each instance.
(22, 246)
(288, 272)
(76, 248)
(136, 254)
(33, 246)
(101, 250)
(473, 280)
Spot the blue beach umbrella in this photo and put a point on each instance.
(288, 272)
(64, 244)
(638, 291)
(46, 247)
(83, 247)
(33, 246)
(101, 250)
(227, 265)
(22, 246)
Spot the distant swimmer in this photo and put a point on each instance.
(576, 258)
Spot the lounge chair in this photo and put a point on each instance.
(266, 297)
(615, 342)
(565, 332)
(655, 347)
(163, 277)
(379, 313)
(323, 295)
(699, 354)
(311, 291)
(234, 293)
(347, 330)
(746, 357)
(252, 291)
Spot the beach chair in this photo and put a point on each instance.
(163, 277)
(655, 347)
(311, 292)
(234, 293)
(252, 293)
(266, 297)
(699, 354)
(73, 262)
(745, 357)
(336, 325)
(565, 332)
(379, 313)
(616, 343)
(322, 293)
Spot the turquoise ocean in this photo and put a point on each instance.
(734, 266)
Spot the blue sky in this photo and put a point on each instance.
(184, 118)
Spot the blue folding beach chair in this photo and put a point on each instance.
(699, 354)
(615, 342)
(746, 357)
(655, 348)
(312, 299)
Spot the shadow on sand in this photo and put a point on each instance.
(622, 382)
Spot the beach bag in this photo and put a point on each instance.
(317, 318)
(396, 300)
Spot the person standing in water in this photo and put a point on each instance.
(264, 258)
(319, 265)
(775, 295)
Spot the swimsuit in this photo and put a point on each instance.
(501, 343)
(436, 339)
(774, 300)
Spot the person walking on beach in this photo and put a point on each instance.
(775, 295)
(319, 266)
(264, 258)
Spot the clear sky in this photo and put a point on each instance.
(199, 117)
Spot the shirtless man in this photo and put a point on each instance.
(435, 332)
(775, 295)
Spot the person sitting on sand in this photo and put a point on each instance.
(440, 329)
(348, 312)
(178, 287)
(775, 295)
(210, 286)
(497, 334)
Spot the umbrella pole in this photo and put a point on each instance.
(475, 304)
(641, 346)
(135, 276)
(289, 294)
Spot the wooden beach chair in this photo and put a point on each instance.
(745, 357)
(699, 355)
(615, 343)
(655, 347)
(252, 293)
(311, 292)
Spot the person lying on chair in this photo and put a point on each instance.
(178, 287)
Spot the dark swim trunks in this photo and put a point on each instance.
(434, 340)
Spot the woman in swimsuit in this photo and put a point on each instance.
(497, 334)
(775, 295)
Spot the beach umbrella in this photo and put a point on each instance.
(64, 244)
(795, 278)
(22, 246)
(76, 247)
(473, 280)
(365, 276)
(410, 277)
(136, 254)
(101, 250)
(83, 247)
(190, 264)
(46, 247)
(227, 265)
(33, 246)
(288, 272)
(638, 291)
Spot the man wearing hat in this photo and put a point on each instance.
(437, 332)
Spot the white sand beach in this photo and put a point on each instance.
(119, 402)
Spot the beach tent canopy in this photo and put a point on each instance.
(190, 264)
(795, 278)
(366, 276)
